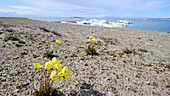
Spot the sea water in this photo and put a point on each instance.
(147, 24)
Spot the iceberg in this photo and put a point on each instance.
(124, 21)
(103, 23)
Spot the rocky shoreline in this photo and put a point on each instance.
(130, 62)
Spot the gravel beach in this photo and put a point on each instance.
(129, 62)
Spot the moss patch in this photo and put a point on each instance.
(91, 51)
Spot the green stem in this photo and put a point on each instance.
(45, 77)
(39, 94)
(42, 83)
(51, 85)
(34, 79)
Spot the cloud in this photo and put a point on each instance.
(98, 7)
(23, 7)
(107, 5)
(87, 7)
(20, 10)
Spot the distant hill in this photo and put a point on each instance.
(76, 17)
(161, 18)
(167, 18)
(14, 18)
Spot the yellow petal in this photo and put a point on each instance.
(91, 37)
(60, 74)
(61, 78)
(58, 42)
(53, 73)
(54, 60)
(54, 76)
(89, 41)
(48, 65)
(66, 73)
(59, 67)
(38, 66)
(94, 40)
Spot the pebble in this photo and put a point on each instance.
(147, 83)
(111, 93)
(25, 84)
(86, 64)
(81, 61)
(85, 86)
(73, 93)
(82, 58)
(105, 68)
(17, 90)
(107, 79)
(68, 64)
(40, 77)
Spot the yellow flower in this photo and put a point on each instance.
(94, 40)
(48, 65)
(38, 66)
(60, 74)
(59, 67)
(58, 42)
(91, 37)
(61, 78)
(89, 41)
(54, 76)
(66, 73)
(54, 60)
(56, 64)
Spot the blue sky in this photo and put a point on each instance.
(85, 8)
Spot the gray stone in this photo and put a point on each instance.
(111, 93)
(73, 92)
(85, 86)
(82, 58)
(148, 83)
(86, 64)
(107, 79)
(68, 64)
(25, 84)
(105, 68)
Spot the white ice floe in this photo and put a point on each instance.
(124, 21)
(103, 23)
(64, 22)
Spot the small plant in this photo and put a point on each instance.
(91, 46)
(121, 54)
(53, 71)
(44, 29)
(142, 50)
(150, 39)
(34, 56)
(127, 51)
(10, 37)
(91, 51)
(167, 66)
(99, 43)
(48, 54)
(46, 84)
(148, 64)
(113, 53)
